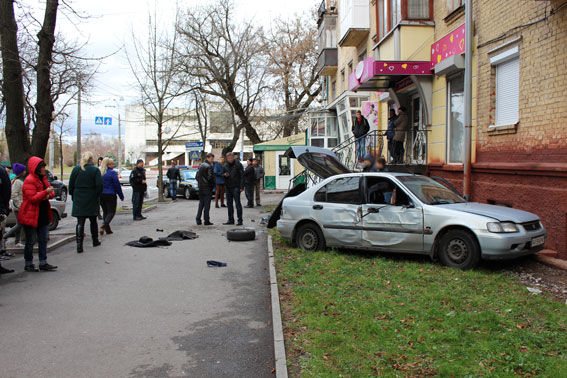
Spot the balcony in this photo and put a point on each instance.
(327, 62)
(354, 22)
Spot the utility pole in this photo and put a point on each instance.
(467, 176)
(119, 142)
(79, 121)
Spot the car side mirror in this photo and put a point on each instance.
(55, 178)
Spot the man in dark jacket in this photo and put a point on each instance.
(206, 179)
(234, 180)
(139, 187)
(360, 128)
(381, 165)
(259, 174)
(249, 183)
(5, 195)
(369, 165)
(174, 176)
(391, 131)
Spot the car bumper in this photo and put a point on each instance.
(285, 228)
(64, 215)
(508, 246)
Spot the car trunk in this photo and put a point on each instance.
(322, 162)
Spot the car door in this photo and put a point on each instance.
(391, 221)
(336, 207)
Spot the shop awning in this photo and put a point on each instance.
(380, 75)
(164, 157)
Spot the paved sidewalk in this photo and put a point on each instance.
(117, 311)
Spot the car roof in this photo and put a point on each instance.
(393, 174)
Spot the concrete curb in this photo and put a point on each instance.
(279, 344)
(552, 262)
(129, 211)
(50, 246)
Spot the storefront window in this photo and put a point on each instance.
(318, 142)
(455, 120)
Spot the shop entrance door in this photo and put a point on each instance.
(284, 170)
(416, 143)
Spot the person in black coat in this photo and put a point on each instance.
(174, 177)
(206, 179)
(5, 195)
(234, 179)
(139, 187)
(369, 165)
(249, 182)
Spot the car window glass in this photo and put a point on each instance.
(380, 191)
(321, 195)
(344, 190)
(430, 191)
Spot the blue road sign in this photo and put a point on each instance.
(194, 155)
(98, 121)
(108, 121)
(193, 146)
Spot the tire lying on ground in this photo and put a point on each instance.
(241, 234)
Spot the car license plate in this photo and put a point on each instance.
(538, 241)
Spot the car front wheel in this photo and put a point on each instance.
(64, 195)
(165, 191)
(310, 238)
(55, 222)
(459, 249)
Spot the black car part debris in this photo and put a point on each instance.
(215, 264)
(241, 234)
(182, 235)
(147, 242)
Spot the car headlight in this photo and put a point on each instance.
(502, 227)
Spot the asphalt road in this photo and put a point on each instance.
(118, 311)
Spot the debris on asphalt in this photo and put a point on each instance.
(534, 290)
(147, 242)
(159, 230)
(107, 262)
(241, 234)
(182, 235)
(215, 264)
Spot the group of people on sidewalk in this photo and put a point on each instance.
(227, 178)
(395, 134)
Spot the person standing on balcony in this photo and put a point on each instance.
(391, 131)
(401, 125)
(360, 129)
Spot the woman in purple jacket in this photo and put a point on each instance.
(110, 189)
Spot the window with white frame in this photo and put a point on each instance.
(507, 87)
(455, 119)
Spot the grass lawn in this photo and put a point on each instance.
(358, 315)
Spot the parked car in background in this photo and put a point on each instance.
(57, 211)
(188, 187)
(58, 185)
(401, 212)
(124, 176)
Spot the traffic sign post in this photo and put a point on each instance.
(195, 155)
(99, 120)
(108, 121)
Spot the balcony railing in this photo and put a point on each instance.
(328, 61)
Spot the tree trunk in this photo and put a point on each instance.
(233, 142)
(44, 105)
(17, 135)
(61, 153)
(290, 127)
(160, 153)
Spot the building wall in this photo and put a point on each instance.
(525, 168)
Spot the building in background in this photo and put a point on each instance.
(140, 140)
(381, 54)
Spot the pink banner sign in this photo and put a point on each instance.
(382, 67)
(451, 44)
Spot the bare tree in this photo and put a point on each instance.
(202, 113)
(154, 65)
(61, 129)
(226, 60)
(293, 64)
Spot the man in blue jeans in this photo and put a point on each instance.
(174, 177)
(139, 187)
(360, 128)
(234, 180)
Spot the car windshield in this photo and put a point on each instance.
(189, 175)
(430, 191)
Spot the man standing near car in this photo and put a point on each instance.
(139, 187)
(174, 176)
(234, 179)
(206, 179)
(259, 173)
(249, 183)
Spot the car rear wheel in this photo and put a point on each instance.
(459, 249)
(165, 191)
(310, 238)
(187, 193)
(64, 195)
(55, 222)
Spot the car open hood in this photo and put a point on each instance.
(500, 213)
(321, 161)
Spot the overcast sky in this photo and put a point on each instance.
(109, 29)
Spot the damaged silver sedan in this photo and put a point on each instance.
(399, 212)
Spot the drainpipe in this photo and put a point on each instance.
(468, 97)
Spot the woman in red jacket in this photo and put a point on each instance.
(35, 213)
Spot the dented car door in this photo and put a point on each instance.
(391, 225)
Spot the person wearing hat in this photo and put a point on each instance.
(369, 165)
(249, 182)
(5, 194)
(139, 187)
(17, 198)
